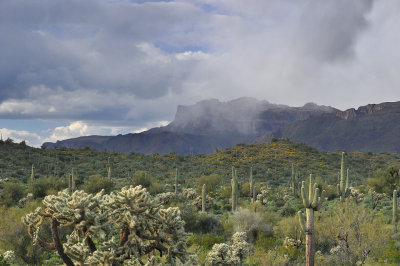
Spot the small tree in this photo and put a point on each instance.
(144, 228)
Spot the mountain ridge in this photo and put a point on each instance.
(204, 127)
(210, 124)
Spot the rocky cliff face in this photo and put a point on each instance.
(243, 116)
(368, 109)
(373, 127)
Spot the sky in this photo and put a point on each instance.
(70, 67)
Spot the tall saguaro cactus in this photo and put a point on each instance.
(254, 198)
(203, 198)
(343, 189)
(71, 184)
(294, 182)
(176, 181)
(251, 182)
(109, 169)
(33, 172)
(312, 202)
(234, 184)
(395, 219)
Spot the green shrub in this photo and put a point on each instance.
(212, 182)
(141, 178)
(96, 183)
(11, 193)
(14, 236)
(46, 186)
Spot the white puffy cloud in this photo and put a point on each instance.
(21, 135)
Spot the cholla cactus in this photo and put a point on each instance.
(263, 196)
(234, 254)
(376, 197)
(9, 256)
(356, 194)
(143, 225)
(189, 193)
(292, 243)
(198, 203)
(22, 202)
(312, 202)
(343, 189)
(165, 198)
(219, 255)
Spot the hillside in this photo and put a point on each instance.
(271, 162)
(204, 127)
(373, 127)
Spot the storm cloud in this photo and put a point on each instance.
(130, 63)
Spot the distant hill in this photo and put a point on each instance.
(374, 127)
(204, 127)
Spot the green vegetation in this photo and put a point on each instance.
(237, 206)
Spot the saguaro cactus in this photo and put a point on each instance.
(109, 169)
(395, 219)
(343, 189)
(176, 181)
(294, 182)
(71, 184)
(203, 198)
(251, 182)
(312, 202)
(234, 184)
(254, 198)
(33, 172)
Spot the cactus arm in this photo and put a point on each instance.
(315, 201)
(302, 221)
(304, 195)
(310, 190)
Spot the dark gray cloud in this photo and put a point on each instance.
(329, 29)
(122, 63)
